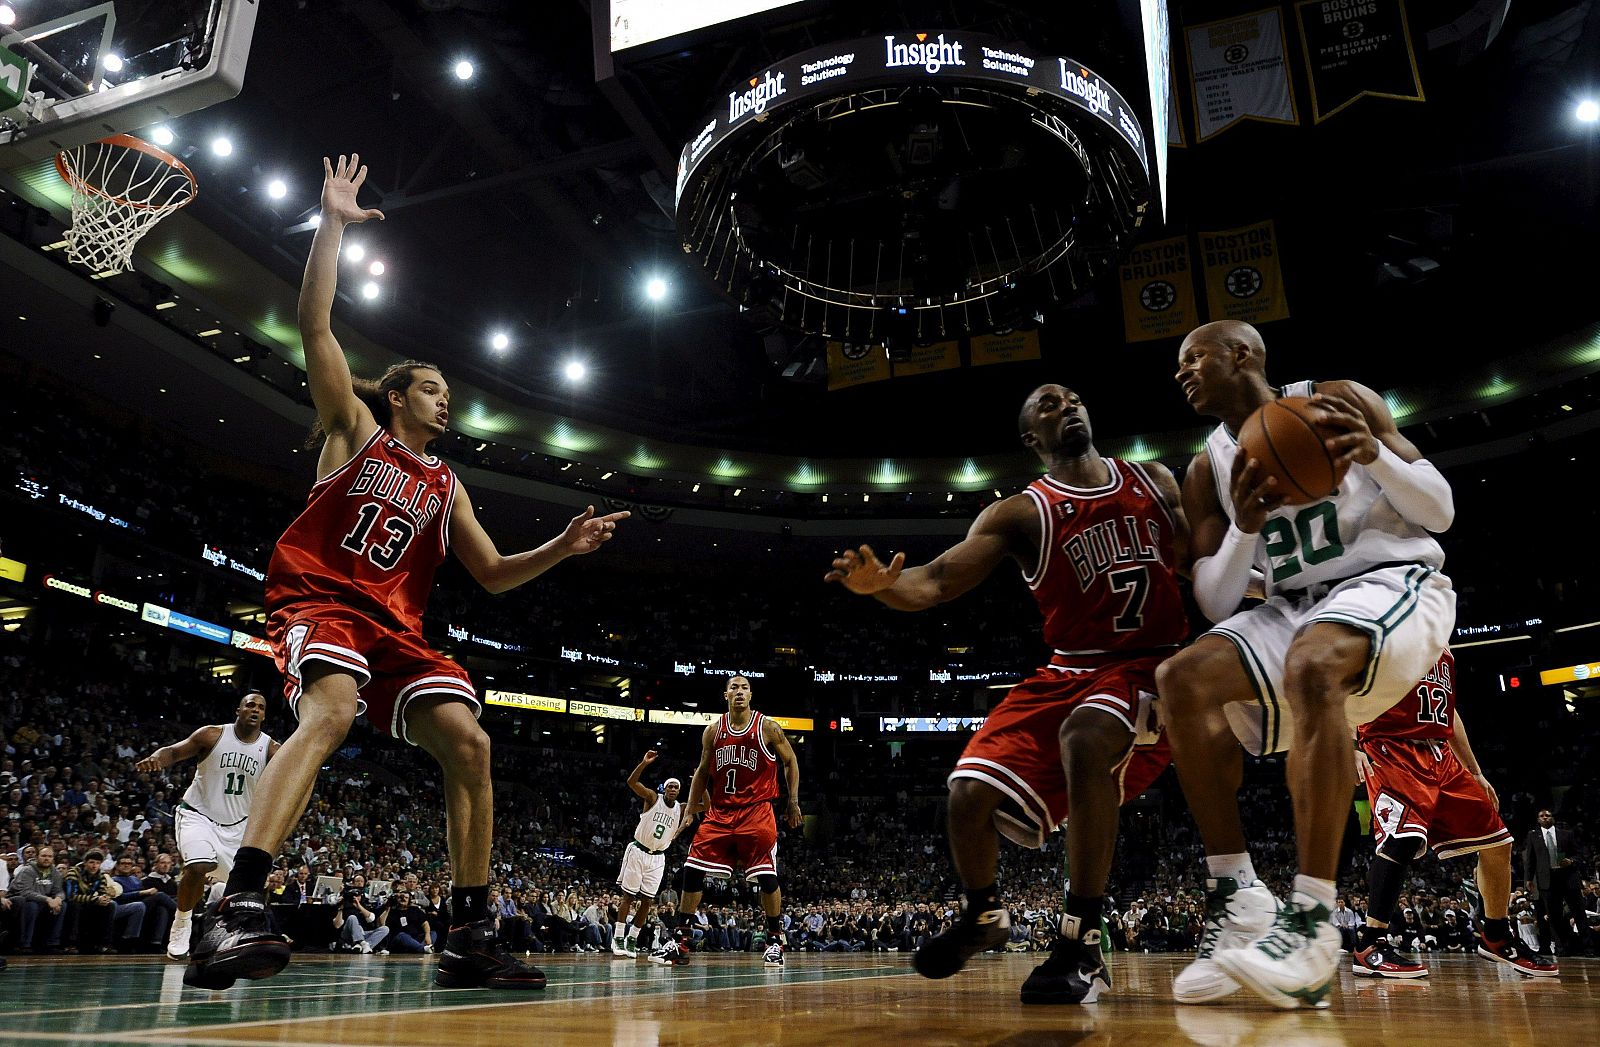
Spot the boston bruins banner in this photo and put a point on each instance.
(855, 364)
(940, 356)
(1238, 71)
(1004, 348)
(1355, 49)
(1158, 291)
(1243, 281)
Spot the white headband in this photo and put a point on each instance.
(672, 781)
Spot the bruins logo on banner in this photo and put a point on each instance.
(1239, 70)
(1243, 280)
(1158, 291)
(850, 364)
(1356, 49)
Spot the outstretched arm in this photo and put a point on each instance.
(997, 531)
(642, 791)
(496, 573)
(702, 773)
(791, 766)
(197, 744)
(341, 412)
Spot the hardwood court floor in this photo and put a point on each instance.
(733, 1001)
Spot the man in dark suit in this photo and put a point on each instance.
(1553, 881)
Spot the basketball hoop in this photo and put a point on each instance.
(121, 187)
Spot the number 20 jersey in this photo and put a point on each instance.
(1106, 577)
(371, 536)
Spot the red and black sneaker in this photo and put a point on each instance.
(475, 958)
(1380, 961)
(1521, 961)
(235, 941)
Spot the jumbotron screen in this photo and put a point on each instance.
(635, 22)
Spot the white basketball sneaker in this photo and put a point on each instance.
(1295, 963)
(178, 939)
(1235, 916)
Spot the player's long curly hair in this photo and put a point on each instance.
(374, 392)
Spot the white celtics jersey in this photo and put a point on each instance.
(658, 825)
(1349, 533)
(225, 778)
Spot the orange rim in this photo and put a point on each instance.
(138, 145)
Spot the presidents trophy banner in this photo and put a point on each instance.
(1243, 280)
(1238, 70)
(1356, 49)
(1158, 291)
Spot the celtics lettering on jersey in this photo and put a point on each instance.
(658, 825)
(225, 778)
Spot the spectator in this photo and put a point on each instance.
(159, 906)
(95, 912)
(359, 930)
(408, 927)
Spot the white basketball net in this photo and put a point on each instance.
(118, 193)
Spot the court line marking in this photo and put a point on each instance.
(181, 1030)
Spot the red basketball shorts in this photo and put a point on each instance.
(1018, 748)
(736, 838)
(393, 666)
(1419, 790)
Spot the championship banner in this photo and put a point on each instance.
(1356, 49)
(1158, 291)
(12, 570)
(856, 365)
(1238, 70)
(940, 356)
(1174, 121)
(1004, 348)
(1243, 281)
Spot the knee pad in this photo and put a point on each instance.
(767, 882)
(694, 880)
(1403, 850)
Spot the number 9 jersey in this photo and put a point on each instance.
(371, 536)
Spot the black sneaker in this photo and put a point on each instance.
(1075, 971)
(475, 958)
(945, 954)
(235, 941)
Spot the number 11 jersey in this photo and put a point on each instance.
(371, 536)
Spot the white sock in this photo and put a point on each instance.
(617, 932)
(181, 918)
(1310, 891)
(1236, 866)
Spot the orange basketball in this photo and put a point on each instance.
(1284, 436)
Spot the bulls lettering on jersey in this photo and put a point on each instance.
(1427, 711)
(1106, 576)
(374, 530)
(743, 770)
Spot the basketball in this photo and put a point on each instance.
(1286, 439)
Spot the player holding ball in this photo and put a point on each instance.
(1332, 505)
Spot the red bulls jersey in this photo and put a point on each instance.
(1106, 576)
(1427, 711)
(743, 770)
(371, 536)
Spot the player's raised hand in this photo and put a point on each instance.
(588, 532)
(1253, 496)
(339, 189)
(649, 757)
(860, 571)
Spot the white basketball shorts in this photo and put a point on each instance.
(202, 841)
(641, 872)
(1408, 612)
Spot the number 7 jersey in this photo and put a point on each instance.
(1106, 575)
(371, 536)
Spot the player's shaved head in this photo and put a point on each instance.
(1235, 334)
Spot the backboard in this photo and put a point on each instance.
(74, 71)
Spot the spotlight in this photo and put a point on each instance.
(737, 491)
(575, 371)
(608, 474)
(222, 146)
(7, 15)
(113, 62)
(376, 268)
(369, 290)
(276, 189)
(355, 252)
(655, 289)
(316, 219)
(500, 342)
(695, 489)
(464, 70)
(162, 136)
(1589, 110)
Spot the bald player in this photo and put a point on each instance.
(210, 819)
(1356, 611)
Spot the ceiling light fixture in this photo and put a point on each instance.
(464, 70)
(162, 136)
(370, 290)
(222, 146)
(1589, 110)
(575, 371)
(500, 342)
(277, 189)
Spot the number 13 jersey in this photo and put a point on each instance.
(1106, 577)
(371, 536)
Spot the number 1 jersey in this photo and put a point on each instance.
(371, 536)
